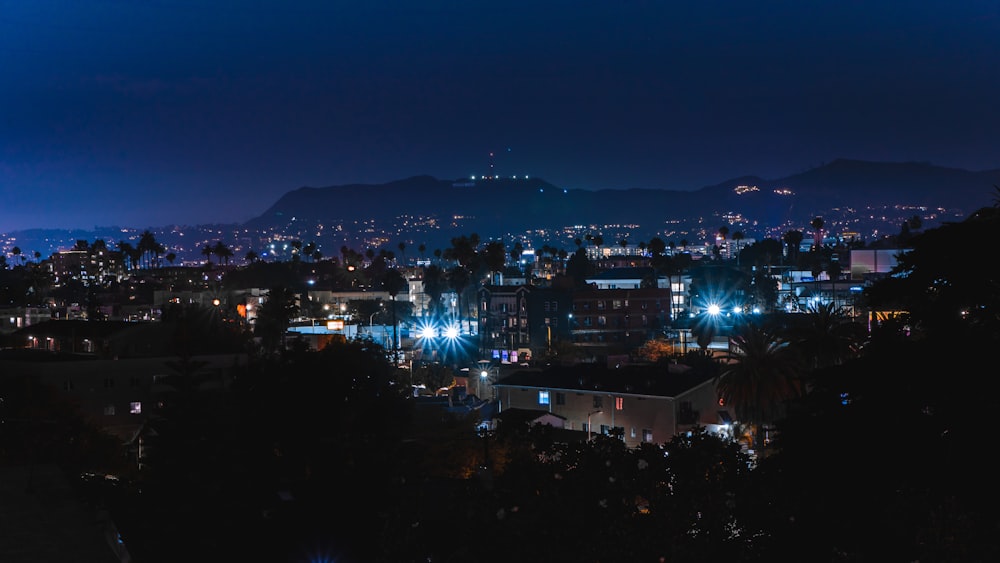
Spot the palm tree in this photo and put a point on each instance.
(656, 247)
(251, 257)
(16, 253)
(829, 336)
(792, 240)
(223, 252)
(758, 375)
(737, 237)
(495, 257)
(459, 279)
(723, 232)
(515, 253)
(394, 283)
(275, 315)
(817, 225)
(435, 284)
(402, 252)
(207, 252)
(598, 242)
(149, 249)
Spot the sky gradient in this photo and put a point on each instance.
(164, 112)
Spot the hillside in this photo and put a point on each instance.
(494, 207)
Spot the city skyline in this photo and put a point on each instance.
(164, 113)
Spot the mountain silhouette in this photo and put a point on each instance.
(498, 206)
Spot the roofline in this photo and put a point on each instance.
(596, 392)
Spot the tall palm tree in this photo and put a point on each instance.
(223, 252)
(738, 236)
(758, 375)
(515, 253)
(722, 234)
(149, 249)
(817, 225)
(394, 283)
(459, 279)
(829, 336)
(495, 257)
(128, 253)
(792, 240)
(207, 251)
(435, 284)
(16, 253)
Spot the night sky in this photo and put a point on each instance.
(156, 112)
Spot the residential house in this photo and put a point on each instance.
(635, 403)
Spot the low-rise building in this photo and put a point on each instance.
(636, 403)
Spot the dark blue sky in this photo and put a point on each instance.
(154, 112)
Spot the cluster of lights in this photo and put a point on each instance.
(430, 331)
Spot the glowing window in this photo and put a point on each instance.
(135, 407)
(619, 403)
(543, 397)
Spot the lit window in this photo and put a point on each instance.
(619, 403)
(135, 407)
(543, 397)
(647, 435)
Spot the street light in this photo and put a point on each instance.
(371, 319)
(590, 429)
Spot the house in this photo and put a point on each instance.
(635, 403)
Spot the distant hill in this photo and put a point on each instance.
(494, 207)
(864, 197)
